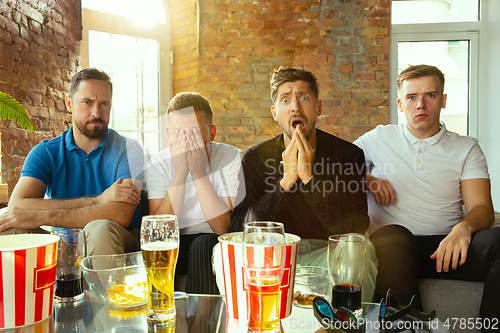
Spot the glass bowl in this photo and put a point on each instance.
(118, 280)
(311, 281)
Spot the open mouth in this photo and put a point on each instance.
(298, 123)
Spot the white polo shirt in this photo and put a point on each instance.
(425, 176)
(225, 165)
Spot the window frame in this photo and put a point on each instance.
(117, 24)
(431, 32)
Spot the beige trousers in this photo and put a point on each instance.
(102, 236)
(16, 231)
(108, 237)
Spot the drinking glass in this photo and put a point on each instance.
(71, 250)
(68, 318)
(160, 247)
(311, 281)
(264, 260)
(346, 265)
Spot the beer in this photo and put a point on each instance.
(264, 303)
(160, 259)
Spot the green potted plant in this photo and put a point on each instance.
(11, 109)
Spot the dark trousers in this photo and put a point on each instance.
(404, 258)
(195, 260)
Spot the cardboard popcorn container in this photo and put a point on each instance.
(231, 247)
(27, 277)
(235, 325)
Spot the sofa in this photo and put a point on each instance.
(453, 299)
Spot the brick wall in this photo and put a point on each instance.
(344, 42)
(185, 44)
(39, 53)
(224, 49)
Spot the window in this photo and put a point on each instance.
(145, 11)
(132, 43)
(452, 57)
(132, 63)
(434, 11)
(452, 47)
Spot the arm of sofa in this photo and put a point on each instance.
(497, 220)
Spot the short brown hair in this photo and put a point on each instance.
(89, 74)
(416, 71)
(290, 74)
(186, 99)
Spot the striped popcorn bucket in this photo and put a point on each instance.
(27, 276)
(236, 326)
(234, 276)
(44, 326)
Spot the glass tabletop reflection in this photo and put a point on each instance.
(194, 313)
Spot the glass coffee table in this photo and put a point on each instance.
(195, 313)
(302, 320)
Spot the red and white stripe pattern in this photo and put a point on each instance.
(287, 282)
(27, 278)
(234, 276)
(236, 326)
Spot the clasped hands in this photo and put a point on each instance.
(297, 158)
(120, 192)
(31, 218)
(189, 154)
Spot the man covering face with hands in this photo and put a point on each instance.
(195, 179)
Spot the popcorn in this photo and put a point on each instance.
(128, 294)
(304, 299)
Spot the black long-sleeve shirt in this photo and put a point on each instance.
(332, 202)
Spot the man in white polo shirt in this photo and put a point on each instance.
(196, 179)
(420, 175)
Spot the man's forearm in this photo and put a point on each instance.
(216, 212)
(120, 213)
(479, 218)
(46, 204)
(173, 201)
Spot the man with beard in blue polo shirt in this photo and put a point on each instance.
(90, 174)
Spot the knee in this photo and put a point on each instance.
(102, 229)
(204, 243)
(488, 242)
(202, 248)
(391, 235)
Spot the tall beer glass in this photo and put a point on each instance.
(160, 246)
(264, 260)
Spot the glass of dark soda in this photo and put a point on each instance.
(71, 250)
(346, 266)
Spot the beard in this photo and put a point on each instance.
(95, 132)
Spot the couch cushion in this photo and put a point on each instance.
(451, 299)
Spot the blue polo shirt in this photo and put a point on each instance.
(68, 172)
